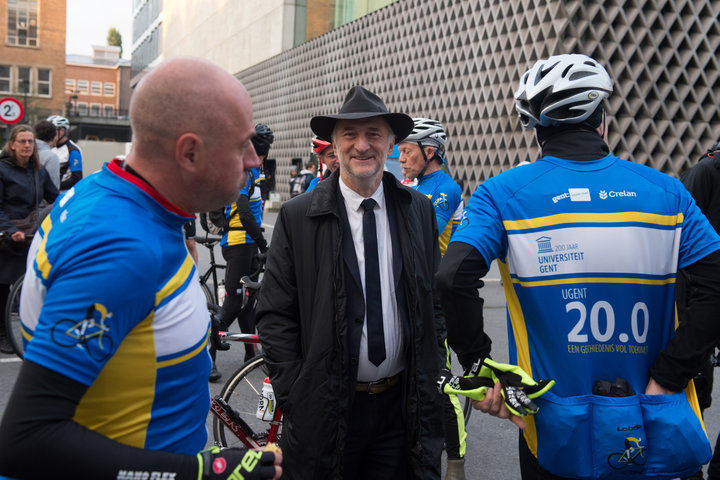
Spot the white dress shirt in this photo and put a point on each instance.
(392, 326)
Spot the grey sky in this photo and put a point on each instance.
(88, 22)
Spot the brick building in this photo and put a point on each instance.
(93, 84)
(97, 93)
(32, 55)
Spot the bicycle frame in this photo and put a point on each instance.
(209, 243)
(229, 417)
(239, 427)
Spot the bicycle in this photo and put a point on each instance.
(628, 457)
(214, 296)
(249, 294)
(88, 332)
(11, 314)
(245, 412)
(13, 326)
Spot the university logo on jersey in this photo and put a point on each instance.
(544, 244)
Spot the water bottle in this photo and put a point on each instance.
(266, 404)
(221, 293)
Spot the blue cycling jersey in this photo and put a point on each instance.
(446, 196)
(588, 252)
(117, 306)
(313, 183)
(238, 235)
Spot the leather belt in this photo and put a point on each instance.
(378, 386)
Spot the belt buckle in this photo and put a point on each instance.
(377, 383)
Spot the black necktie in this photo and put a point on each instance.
(373, 296)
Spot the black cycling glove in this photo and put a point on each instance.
(235, 463)
(518, 388)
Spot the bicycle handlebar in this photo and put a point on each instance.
(207, 240)
(239, 337)
(249, 283)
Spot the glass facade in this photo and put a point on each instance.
(147, 29)
(315, 17)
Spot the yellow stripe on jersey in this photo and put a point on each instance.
(617, 217)
(176, 281)
(521, 344)
(41, 258)
(564, 281)
(444, 238)
(175, 361)
(119, 402)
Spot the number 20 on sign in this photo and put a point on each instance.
(11, 111)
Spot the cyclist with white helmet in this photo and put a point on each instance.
(589, 246)
(421, 158)
(326, 156)
(69, 153)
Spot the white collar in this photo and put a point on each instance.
(354, 199)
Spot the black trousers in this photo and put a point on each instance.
(529, 468)
(714, 466)
(376, 448)
(240, 261)
(4, 294)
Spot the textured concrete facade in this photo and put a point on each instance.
(459, 61)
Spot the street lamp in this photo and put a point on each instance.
(71, 105)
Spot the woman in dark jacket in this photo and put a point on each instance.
(23, 184)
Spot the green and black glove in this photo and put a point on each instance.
(220, 464)
(518, 388)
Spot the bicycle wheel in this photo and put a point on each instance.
(242, 392)
(12, 318)
(617, 461)
(209, 297)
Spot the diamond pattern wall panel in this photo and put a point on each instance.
(459, 61)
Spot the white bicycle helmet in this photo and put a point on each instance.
(562, 89)
(59, 122)
(428, 132)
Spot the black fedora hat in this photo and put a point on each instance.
(362, 103)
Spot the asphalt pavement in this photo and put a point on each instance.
(491, 444)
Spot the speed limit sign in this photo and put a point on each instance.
(11, 111)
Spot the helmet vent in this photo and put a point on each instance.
(579, 75)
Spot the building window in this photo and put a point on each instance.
(82, 109)
(44, 79)
(24, 80)
(83, 86)
(69, 85)
(5, 78)
(22, 23)
(95, 88)
(94, 109)
(109, 111)
(109, 89)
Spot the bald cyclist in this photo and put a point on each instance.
(114, 383)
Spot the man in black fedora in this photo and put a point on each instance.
(347, 315)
